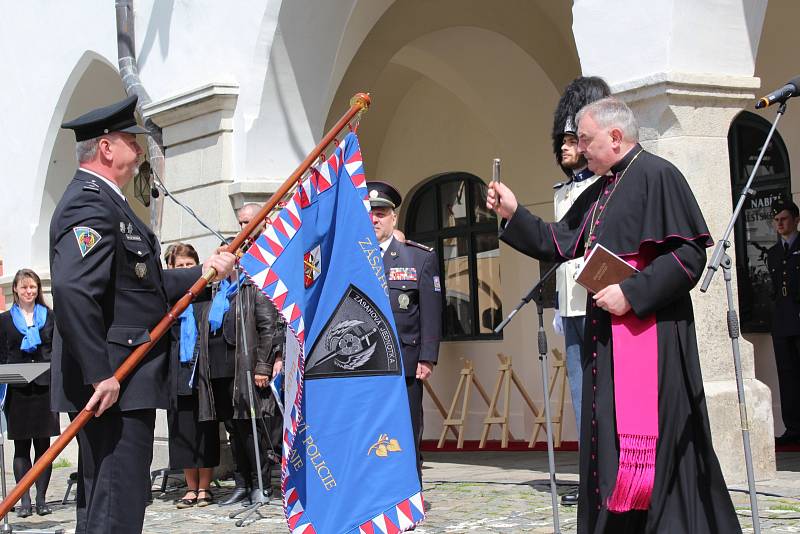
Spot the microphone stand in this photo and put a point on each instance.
(263, 498)
(536, 294)
(721, 258)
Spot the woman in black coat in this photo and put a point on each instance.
(26, 334)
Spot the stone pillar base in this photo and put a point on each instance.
(726, 428)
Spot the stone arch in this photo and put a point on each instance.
(93, 82)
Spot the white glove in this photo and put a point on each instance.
(558, 326)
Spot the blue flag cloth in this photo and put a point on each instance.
(188, 334)
(222, 303)
(31, 339)
(349, 463)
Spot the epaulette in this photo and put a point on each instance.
(91, 186)
(419, 245)
(559, 185)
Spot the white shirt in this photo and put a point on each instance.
(111, 184)
(571, 295)
(385, 245)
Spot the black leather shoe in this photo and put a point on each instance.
(239, 494)
(43, 509)
(571, 498)
(24, 511)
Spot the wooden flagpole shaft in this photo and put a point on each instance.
(359, 103)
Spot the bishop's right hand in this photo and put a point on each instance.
(501, 199)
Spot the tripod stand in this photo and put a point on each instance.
(20, 373)
(536, 294)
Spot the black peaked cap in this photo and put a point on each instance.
(116, 117)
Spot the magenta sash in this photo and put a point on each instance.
(635, 353)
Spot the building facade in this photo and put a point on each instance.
(243, 91)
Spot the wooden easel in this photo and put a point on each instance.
(560, 375)
(505, 377)
(452, 422)
(438, 403)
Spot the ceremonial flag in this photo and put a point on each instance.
(349, 463)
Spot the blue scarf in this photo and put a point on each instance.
(188, 334)
(31, 339)
(222, 303)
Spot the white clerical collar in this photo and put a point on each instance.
(385, 245)
(111, 184)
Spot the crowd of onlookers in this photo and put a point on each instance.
(223, 346)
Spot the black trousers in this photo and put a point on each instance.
(414, 389)
(787, 359)
(114, 456)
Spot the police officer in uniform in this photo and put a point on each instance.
(571, 297)
(109, 290)
(783, 261)
(412, 274)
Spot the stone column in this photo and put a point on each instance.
(685, 118)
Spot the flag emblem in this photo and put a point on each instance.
(311, 266)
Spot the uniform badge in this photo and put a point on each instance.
(403, 273)
(403, 301)
(140, 269)
(393, 253)
(130, 228)
(87, 239)
(312, 265)
(121, 227)
(437, 285)
(357, 341)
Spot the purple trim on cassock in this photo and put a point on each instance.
(683, 266)
(671, 236)
(552, 233)
(585, 220)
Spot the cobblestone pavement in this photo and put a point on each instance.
(466, 492)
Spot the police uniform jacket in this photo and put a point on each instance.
(784, 269)
(571, 295)
(108, 290)
(412, 274)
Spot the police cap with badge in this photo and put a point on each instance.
(383, 195)
(117, 117)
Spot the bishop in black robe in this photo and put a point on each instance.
(647, 211)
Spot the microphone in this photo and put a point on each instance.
(792, 88)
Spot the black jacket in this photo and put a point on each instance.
(261, 322)
(11, 339)
(784, 270)
(106, 297)
(416, 303)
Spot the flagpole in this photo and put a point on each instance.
(358, 104)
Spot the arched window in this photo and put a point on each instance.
(449, 214)
(754, 233)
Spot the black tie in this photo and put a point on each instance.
(785, 248)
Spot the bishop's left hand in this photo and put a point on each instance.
(424, 370)
(612, 299)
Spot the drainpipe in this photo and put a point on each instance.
(129, 72)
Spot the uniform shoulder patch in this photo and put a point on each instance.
(419, 245)
(559, 185)
(91, 186)
(87, 239)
